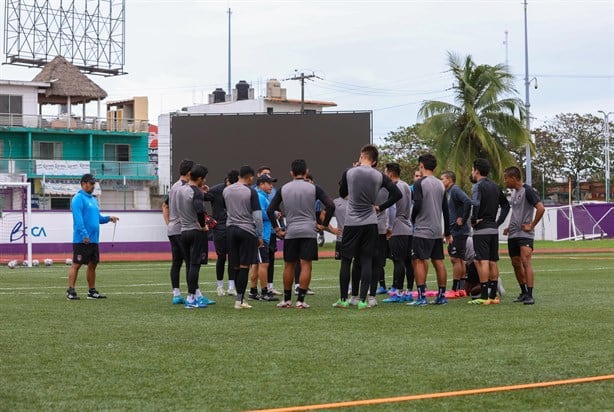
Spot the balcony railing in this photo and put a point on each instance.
(73, 122)
(68, 169)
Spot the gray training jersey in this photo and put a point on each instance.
(430, 197)
(523, 203)
(401, 226)
(174, 225)
(341, 208)
(241, 201)
(382, 217)
(190, 203)
(364, 183)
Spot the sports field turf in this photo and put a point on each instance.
(136, 351)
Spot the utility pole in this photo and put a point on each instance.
(302, 78)
(506, 44)
(606, 139)
(229, 49)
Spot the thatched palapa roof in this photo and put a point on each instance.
(67, 81)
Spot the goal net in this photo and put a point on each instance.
(15, 218)
(576, 223)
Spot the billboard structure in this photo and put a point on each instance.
(88, 33)
(329, 141)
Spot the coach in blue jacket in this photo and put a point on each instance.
(86, 230)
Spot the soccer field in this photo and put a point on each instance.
(136, 351)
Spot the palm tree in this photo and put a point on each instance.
(481, 124)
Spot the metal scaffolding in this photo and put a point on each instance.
(88, 33)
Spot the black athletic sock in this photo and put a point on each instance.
(492, 285)
(523, 289)
(455, 284)
(461, 283)
(441, 292)
(287, 295)
(253, 291)
(264, 291)
(301, 294)
(484, 290)
(530, 292)
(421, 291)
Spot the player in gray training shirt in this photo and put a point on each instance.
(525, 204)
(400, 239)
(362, 184)
(173, 228)
(300, 245)
(243, 230)
(430, 206)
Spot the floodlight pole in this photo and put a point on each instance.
(527, 104)
(606, 140)
(229, 49)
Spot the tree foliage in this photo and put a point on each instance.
(481, 123)
(403, 146)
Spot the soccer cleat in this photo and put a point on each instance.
(231, 292)
(521, 298)
(392, 291)
(440, 300)
(178, 300)
(253, 296)
(381, 291)
(395, 298)
(71, 294)
(284, 304)
(363, 305)
(220, 291)
(242, 305)
(354, 300)
(341, 304)
(529, 300)
(194, 304)
(274, 291)
(418, 302)
(94, 294)
(310, 292)
(407, 296)
(461, 293)
(478, 302)
(301, 305)
(494, 301)
(205, 300)
(371, 301)
(269, 297)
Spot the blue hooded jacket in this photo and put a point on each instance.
(86, 217)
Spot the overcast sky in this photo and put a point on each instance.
(384, 56)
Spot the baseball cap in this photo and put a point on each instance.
(88, 178)
(265, 179)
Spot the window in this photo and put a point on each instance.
(117, 152)
(12, 104)
(47, 150)
(60, 202)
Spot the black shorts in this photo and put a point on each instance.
(381, 251)
(303, 248)
(486, 247)
(458, 246)
(263, 253)
(423, 249)
(220, 242)
(84, 253)
(359, 241)
(514, 244)
(400, 247)
(195, 246)
(242, 247)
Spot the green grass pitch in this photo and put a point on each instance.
(136, 351)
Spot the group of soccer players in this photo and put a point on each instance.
(378, 217)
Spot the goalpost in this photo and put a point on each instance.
(15, 219)
(578, 222)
